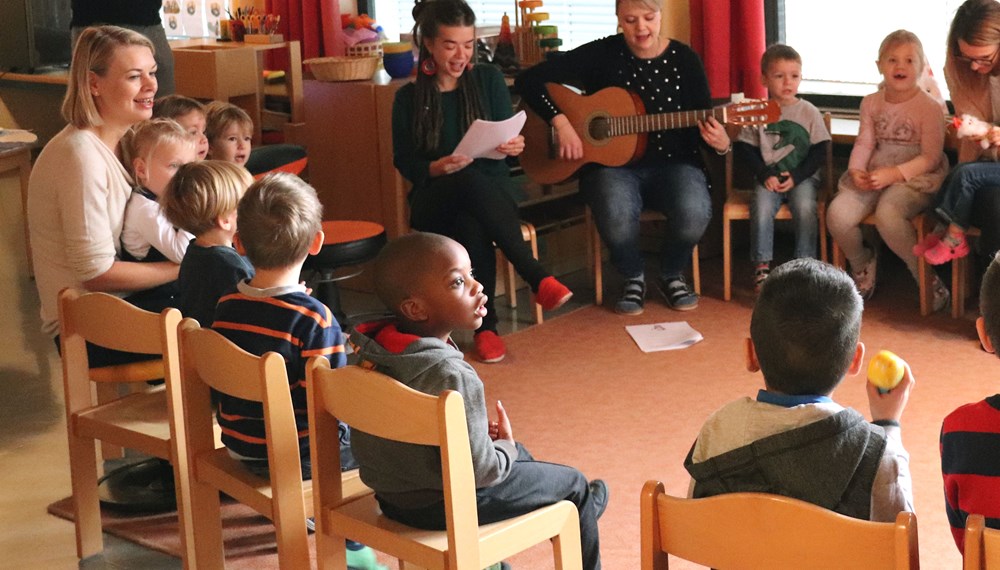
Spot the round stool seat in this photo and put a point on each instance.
(347, 242)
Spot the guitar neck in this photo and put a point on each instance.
(635, 124)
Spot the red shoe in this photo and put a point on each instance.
(929, 241)
(944, 252)
(489, 347)
(552, 294)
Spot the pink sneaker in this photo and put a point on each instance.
(943, 252)
(552, 294)
(929, 241)
(489, 347)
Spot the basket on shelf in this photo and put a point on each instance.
(365, 48)
(343, 68)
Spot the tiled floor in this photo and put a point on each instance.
(33, 457)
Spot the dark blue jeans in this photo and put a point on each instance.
(617, 196)
(958, 193)
(530, 485)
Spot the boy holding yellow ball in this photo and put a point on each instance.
(970, 435)
(793, 439)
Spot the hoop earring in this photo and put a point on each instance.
(428, 67)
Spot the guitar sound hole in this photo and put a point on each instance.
(599, 128)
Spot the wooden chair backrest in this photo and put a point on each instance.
(111, 322)
(740, 185)
(727, 531)
(209, 360)
(376, 404)
(982, 545)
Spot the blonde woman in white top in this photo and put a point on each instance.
(79, 187)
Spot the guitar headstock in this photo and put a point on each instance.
(752, 112)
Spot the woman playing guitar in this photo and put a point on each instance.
(670, 177)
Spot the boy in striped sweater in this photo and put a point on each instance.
(970, 435)
(280, 223)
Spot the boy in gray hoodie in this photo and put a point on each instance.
(793, 439)
(426, 280)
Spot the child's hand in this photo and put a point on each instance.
(785, 182)
(772, 183)
(885, 176)
(448, 165)
(861, 179)
(889, 406)
(513, 147)
(501, 427)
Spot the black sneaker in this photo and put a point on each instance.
(633, 297)
(678, 295)
(599, 493)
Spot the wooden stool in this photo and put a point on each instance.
(528, 234)
(345, 243)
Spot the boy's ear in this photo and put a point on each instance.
(750, 356)
(859, 358)
(317, 243)
(238, 244)
(984, 338)
(413, 309)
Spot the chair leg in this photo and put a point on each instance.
(925, 290)
(331, 554)
(727, 261)
(838, 257)
(959, 267)
(510, 281)
(566, 545)
(533, 240)
(86, 504)
(696, 270)
(107, 392)
(594, 239)
(206, 519)
(293, 544)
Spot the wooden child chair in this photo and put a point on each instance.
(209, 360)
(140, 420)
(758, 530)
(595, 252)
(378, 405)
(982, 545)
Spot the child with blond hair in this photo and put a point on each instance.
(896, 166)
(202, 199)
(157, 148)
(189, 114)
(230, 132)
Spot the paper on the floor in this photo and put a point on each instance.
(663, 336)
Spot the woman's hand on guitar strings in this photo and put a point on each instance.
(714, 135)
(570, 145)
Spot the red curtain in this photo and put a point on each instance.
(316, 23)
(729, 36)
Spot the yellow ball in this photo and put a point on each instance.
(886, 370)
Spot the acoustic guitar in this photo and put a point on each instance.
(612, 124)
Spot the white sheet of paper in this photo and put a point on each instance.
(664, 336)
(483, 137)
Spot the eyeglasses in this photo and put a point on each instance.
(979, 61)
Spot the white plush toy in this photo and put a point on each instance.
(969, 126)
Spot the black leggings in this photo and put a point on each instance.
(475, 210)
